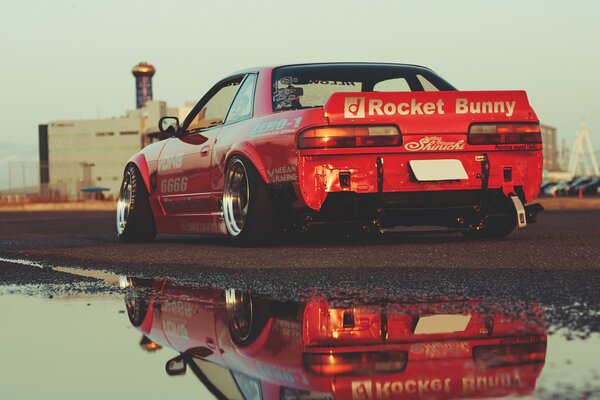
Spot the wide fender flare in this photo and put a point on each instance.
(248, 151)
(146, 325)
(139, 160)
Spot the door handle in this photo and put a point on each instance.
(204, 151)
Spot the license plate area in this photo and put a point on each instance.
(438, 170)
(443, 323)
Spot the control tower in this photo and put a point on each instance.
(143, 73)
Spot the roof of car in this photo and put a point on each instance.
(353, 64)
(270, 67)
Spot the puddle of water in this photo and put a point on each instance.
(234, 344)
(80, 348)
(572, 367)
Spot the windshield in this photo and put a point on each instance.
(306, 86)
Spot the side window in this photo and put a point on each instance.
(427, 86)
(215, 109)
(392, 85)
(243, 104)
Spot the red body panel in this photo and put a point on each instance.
(142, 164)
(426, 136)
(441, 365)
(184, 175)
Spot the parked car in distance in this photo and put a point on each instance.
(545, 188)
(592, 188)
(577, 184)
(558, 189)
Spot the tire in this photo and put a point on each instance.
(247, 316)
(135, 222)
(137, 308)
(494, 228)
(250, 217)
(137, 300)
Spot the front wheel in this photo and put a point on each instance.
(135, 222)
(248, 210)
(137, 300)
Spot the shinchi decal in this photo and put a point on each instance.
(285, 173)
(440, 349)
(434, 143)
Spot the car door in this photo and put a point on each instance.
(187, 318)
(242, 109)
(184, 169)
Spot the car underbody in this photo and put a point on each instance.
(463, 210)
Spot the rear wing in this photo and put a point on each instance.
(426, 112)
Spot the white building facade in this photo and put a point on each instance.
(91, 154)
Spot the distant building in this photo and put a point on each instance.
(80, 154)
(550, 152)
(91, 153)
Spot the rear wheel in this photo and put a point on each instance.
(247, 316)
(135, 222)
(250, 216)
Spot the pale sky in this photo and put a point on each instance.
(64, 59)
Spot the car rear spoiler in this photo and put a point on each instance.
(427, 112)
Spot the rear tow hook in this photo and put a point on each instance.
(520, 209)
(526, 214)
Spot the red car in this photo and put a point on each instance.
(246, 347)
(279, 148)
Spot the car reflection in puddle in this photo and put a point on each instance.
(241, 345)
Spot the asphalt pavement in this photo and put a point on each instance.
(560, 240)
(555, 262)
(552, 266)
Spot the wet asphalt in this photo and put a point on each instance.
(555, 263)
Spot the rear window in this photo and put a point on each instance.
(307, 86)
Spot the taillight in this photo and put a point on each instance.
(349, 136)
(504, 133)
(367, 362)
(341, 326)
(510, 354)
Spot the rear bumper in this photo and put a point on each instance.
(388, 175)
(459, 209)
